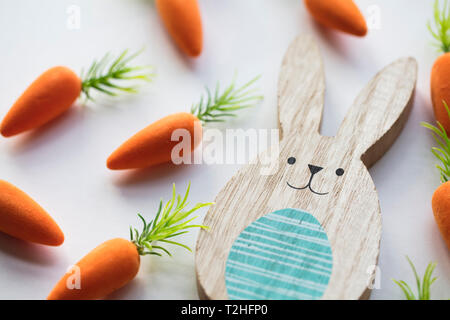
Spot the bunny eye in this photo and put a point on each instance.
(291, 160)
(340, 172)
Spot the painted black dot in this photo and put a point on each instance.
(291, 160)
(340, 172)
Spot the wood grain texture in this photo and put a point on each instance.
(350, 212)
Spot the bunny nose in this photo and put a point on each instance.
(314, 169)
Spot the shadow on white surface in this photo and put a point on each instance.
(28, 252)
(334, 40)
(149, 175)
(55, 129)
(130, 291)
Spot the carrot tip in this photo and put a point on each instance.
(362, 32)
(111, 164)
(195, 53)
(55, 240)
(5, 132)
(59, 241)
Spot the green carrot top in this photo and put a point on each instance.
(215, 107)
(423, 286)
(172, 219)
(442, 152)
(441, 28)
(111, 76)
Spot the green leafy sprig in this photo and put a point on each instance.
(215, 107)
(441, 28)
(111, 76)
(171, 220)
(423, 286)
(442, 153)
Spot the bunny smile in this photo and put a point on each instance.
(314, 170)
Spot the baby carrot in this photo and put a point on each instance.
(441, 210)
(183, 21)
(21, 217)
(105, 269)
(56, 90)
(342, 15)
(46, 98)
(440, 73)
(153, 145)
(116, 262)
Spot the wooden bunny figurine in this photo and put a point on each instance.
(312, 229)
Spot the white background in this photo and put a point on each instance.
(63, 165)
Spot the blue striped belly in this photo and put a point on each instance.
(284, 255)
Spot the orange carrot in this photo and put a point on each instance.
(48, 97)
(56, 90)
(153, 145)
(21, 217)
(342, 15)
(105, 269)
(116, 262)
(440, 89)
(440, 73)
(441, 210)
(183, 21)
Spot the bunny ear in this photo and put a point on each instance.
(301, 87)
(380, 111)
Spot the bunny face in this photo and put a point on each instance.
(311, 230)
(316, 175)
(313, 170)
